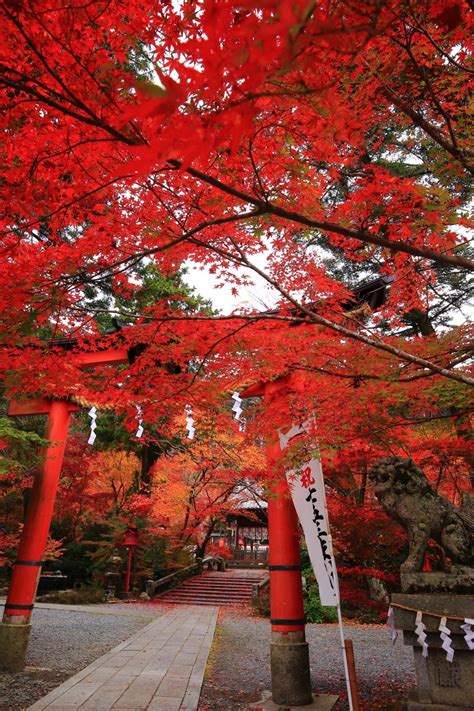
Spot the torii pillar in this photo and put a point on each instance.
(15, 627)
(289, 651)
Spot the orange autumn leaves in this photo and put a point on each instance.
(193, 487)
(112, 475)
(94, 486)
(198, 486)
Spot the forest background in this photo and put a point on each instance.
(317, 146)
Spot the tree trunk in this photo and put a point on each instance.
(420, 322)
(150, 453)
(360, 496)
(201, 547)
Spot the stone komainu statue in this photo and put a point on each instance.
(406, 495)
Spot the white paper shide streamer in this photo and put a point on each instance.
(391, 625)
(420, 633)
(237, 406)
(468, 632)
(189, 421)
(93, 415)
(237, 409)
(140, 430)
(445, 634)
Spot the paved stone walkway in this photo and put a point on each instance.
(160, 668)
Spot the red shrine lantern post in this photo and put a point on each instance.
(130, 541)
(15, 627)
(291, 681)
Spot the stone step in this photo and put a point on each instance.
(243, 589)
(231, 583)
(205, 597)
(216, 603)
(214, 588)
(231, 580)
(236, 574)
(220, 584)
(211, 593)
(209, 599)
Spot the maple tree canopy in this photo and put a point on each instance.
(330, 141)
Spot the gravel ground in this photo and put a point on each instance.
(239, 664)
(64, 641)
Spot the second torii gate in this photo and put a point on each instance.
(289, 653)
(15, 627)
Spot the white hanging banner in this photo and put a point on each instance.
(307, 491)
(285, 437)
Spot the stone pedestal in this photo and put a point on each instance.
(457, 583)
(441, 685)
(13, 646)
(291, 680)
(291, 683)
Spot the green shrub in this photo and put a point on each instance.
(313, 609)
(370, 616)
(312, 605)
(87, 595)
(262, 605)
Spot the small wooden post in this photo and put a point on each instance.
(129, 570)
(352, 674)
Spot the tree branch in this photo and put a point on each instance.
(270, 209)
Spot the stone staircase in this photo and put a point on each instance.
(232, 587)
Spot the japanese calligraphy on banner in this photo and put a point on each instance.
(307, 491)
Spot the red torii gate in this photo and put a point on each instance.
(15, 627)
(291, 683)
(289, 650)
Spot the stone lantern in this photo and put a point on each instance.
(112, 574)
